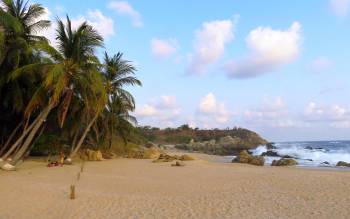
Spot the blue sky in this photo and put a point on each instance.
(280, 68)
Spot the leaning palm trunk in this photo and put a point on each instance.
(27, 142)
(6, 145)
(28, 136)
(17, 143)
(80, 142)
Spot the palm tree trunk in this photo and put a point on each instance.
(27, 142)
(20, 139)
(10, 139)
(87, 129)
(75, 138)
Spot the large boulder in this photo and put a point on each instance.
(93, 155)
(151, 153)
(245, 157)
(343, 164)
(257, 161)
(284, 162)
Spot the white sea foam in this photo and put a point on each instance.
(307, 155)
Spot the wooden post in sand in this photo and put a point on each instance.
(82, 166)
(78, 177)
(72, 192)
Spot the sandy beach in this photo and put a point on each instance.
(131, 188)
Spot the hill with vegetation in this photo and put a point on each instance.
(213, 141)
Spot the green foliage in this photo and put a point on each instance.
(90, 105)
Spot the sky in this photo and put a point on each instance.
(280, 68)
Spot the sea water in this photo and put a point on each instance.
(309, 153)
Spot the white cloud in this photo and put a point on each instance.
(320, 64)
(50, 32)
(212, 111)
(269, 49)
(340, 7)
(161, 111)
(104, 25)
(334, 115)
(272, 113)
(163, 48)
(146, 111)
(209, 44)
(124, 8)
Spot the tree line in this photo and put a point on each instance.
(62, 89)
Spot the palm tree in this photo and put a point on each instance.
(71, 71)
(19, 24)
(117, 73)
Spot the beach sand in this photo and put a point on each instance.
(131, 188)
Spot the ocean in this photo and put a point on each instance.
(310, 153)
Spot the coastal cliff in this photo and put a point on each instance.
(215, 141)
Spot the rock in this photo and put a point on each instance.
(99, 156)
(166, 158)
(245, 157)
(150, 144)
(287, 157)
(151, 153)
(325, 163)
(68, 161)
(270, 154)
(135, 153)
(308, 148)
(108, 155)
(309, 159)
(343, 164)
(178, 164)
(8, 167)
(83, 155)
(186, 157)
(257, 161)
(228, 140)
(284, 162)
(90, 154)
(94, 155)
(270, 146)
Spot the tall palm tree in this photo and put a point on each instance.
(72, 71)
(19, 25)
(118, 73)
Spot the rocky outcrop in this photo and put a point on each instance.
(284, 162)
(227, 145)
(343, 164)
(151, 153)
(245, 157)
(145, 153)
(94, 155)
(109, 155)
(169, 158)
